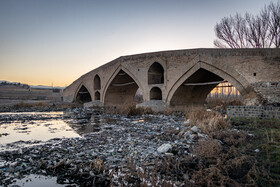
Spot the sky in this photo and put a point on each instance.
(54, 42)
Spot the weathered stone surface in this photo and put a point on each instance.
(155, 105)
(163, 75)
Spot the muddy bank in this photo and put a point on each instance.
(34, 106)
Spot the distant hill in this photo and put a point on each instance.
(18, 84)
(46, 87)
(9, 83)
(6, 84)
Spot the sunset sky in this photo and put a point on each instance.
(56, 41)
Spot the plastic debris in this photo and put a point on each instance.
(164, 148)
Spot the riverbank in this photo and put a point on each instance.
(34, 106)
(152, 149)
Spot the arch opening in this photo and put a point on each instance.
(195, 89)
(83, 95)
(156, 74)
(155, 94)
(97, 82)
(97, 96)
(121, 91)
(224, 93)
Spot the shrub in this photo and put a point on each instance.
(133, 111)
(221, 104)
(207, 121)
(208, 149)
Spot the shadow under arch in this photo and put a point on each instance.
(82, 95)
(184, 93)
(155, 93)
(121, 88)
(97, 96)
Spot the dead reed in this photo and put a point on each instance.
(128, 109)
(207, 121)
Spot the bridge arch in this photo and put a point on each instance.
(182, 93)
(155, 93)
(97, 82)
(97, 96)
(121, 88)
(156, 74)
(82, 95)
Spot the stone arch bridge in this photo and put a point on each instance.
(181, 78)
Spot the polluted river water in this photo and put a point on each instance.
(27, 128)
(35, 129)
(24, 129)
(58, 148)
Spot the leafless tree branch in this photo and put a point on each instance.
(250, 31)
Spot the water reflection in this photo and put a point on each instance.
(37, 180)
(41, 126)
(92, 123)
(30, 127)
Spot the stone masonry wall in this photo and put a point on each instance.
(263, 112)
(269, 90)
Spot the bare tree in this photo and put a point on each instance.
(250, 31)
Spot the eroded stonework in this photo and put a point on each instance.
(173, 77)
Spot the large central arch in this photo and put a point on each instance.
(183, 93)
(121, 88)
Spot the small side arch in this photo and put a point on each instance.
(155, 93)
(82, 95)
(97, 96)
(97, 82)
(156, 74)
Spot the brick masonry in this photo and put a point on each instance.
(263, 112)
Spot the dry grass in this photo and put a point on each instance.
(224, 165)
(207, 121)
(229, 162)
(208, 149)
(67, 105)
(142, 176)
(129, 110)
(223, 103)
(133, 111)
(23, 105)
(29, 105)
(92, 173)
(232, 138)
(212, 166)
(168, 111)
(267, 140)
